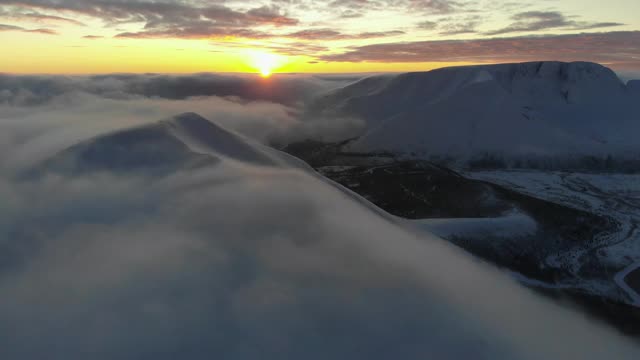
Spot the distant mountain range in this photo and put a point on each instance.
(511, 113)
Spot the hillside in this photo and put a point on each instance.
(510, 111)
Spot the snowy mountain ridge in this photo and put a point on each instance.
(184, 141)
(512, 110)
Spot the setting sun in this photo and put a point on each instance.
(265, 63)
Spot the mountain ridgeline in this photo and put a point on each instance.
(547, 115)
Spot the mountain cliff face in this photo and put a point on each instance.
(549, 109)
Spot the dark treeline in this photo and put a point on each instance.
(588, 163)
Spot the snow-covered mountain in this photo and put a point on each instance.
(184, 141)
(518, 164)
(511, 110)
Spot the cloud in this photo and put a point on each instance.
(609, 48)
(531, 21)
(423, 6)
(627, 75)
(427, 25)
(285, 89)
(238, 261)
(285, 27)
(270, 112)
(4, 27)
(195, 31)
(435, 6)
(34, 16)
(459, 25)
(329, 34)
(218, 20)
(167, 18)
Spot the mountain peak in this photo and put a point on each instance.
(185, 140)
(189, 118)
(541, 108)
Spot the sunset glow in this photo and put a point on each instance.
(265, 63)
(267, 37)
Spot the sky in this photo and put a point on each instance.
(186, 36)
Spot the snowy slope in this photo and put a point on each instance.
(184, 141)
(541, 108)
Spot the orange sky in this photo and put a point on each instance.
(170, 36)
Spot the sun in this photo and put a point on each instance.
(265, 63)
(265, 72)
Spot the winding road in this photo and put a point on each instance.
(621, 280)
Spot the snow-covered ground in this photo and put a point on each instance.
(616, 196)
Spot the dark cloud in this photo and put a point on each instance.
(609, 48)
(531, 21)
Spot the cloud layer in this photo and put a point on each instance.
(268, 111)
(618, 49)
(237, 260)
